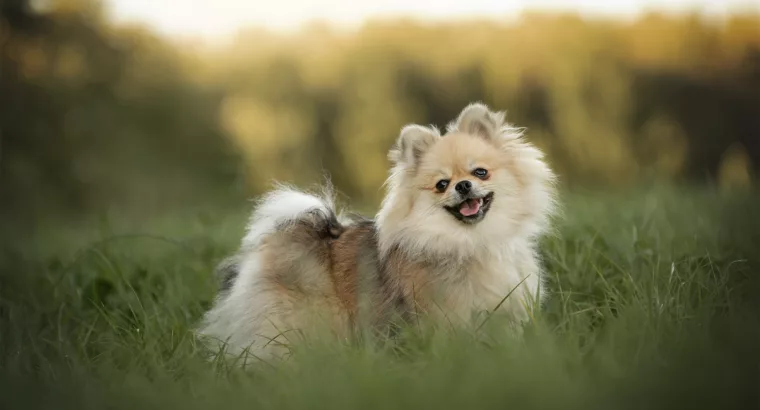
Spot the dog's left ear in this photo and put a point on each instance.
(477, 119)
(413, 141)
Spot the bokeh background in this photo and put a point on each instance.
(132, 108)
(134, 133)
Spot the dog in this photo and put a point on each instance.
(456, 235)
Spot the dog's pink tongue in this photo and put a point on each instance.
(469, 207)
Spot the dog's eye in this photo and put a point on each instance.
(480, 173)
(441, 185)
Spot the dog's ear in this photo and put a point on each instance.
(413, 141)
(477, 119)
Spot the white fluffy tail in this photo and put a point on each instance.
(282, 206)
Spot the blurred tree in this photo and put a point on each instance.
(96, 115)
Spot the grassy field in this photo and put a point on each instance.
(654, 306)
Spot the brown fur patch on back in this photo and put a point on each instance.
(344, 256)
(302, 264)
(294, 261)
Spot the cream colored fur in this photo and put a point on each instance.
(478, 264)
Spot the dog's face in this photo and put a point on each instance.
(461, 176)
(476, 186)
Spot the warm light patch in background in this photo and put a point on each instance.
(218, 18)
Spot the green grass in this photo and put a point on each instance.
(654, 305)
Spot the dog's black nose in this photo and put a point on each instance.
(463, 187)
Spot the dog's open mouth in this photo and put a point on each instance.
(471, 210)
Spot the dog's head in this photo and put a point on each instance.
(477, 186)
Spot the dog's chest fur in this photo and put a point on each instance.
(452, 291)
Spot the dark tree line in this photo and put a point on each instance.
(95, 116)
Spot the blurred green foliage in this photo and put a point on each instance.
(96, 116)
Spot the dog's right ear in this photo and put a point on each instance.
(477, 119)
(412, 143)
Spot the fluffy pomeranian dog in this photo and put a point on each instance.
(456, 236)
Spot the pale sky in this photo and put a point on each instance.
(219, 18)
